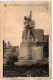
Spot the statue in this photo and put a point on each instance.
(29, 25)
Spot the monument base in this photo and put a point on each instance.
(30, 53)
(26, 62)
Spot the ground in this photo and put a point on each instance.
(38, 70)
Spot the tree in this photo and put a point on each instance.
(4, 46)
(12, 58)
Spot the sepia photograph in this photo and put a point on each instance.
(26, 39)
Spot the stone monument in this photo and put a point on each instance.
(30, 52)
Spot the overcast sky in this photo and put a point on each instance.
(13, 19)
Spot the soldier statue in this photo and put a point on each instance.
(29, 25)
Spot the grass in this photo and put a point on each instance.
(38, 70)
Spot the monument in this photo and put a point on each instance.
(30, 52)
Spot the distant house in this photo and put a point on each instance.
(46, 38)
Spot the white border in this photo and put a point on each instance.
(52, 39)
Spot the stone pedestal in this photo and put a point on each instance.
(37, 53)
(25, 51)
(30, 54)
(30, 51)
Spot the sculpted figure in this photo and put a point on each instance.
(29, 25)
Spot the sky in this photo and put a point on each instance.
(13, 19)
